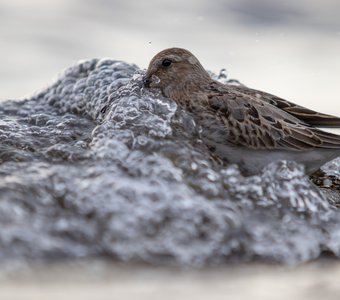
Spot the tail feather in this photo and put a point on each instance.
(320, 120)
(329, 140)
(312, 117)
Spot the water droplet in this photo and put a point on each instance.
(155, 79)
(223, 74)
(327, 182)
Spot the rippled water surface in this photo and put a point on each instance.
(97, 166)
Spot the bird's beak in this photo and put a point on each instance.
(147, 81)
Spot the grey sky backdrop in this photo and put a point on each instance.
(289, 48)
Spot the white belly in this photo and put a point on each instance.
(253, 161)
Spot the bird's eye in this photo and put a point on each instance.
(166, 62)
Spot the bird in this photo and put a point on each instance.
(242, 125)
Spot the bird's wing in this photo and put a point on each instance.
(309, 116)
(256, 124)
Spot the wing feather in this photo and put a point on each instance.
(254, 123)
(308, 116)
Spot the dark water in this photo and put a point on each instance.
(95, 166)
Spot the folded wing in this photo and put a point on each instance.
(255, 123)
(309, 116)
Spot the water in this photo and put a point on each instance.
(97, 166)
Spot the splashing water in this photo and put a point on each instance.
(97, 166)
(155, 79)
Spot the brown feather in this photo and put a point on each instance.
(255, 125)
(306, 115)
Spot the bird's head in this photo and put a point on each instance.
(174, 69)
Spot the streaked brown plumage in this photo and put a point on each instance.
(242, 125)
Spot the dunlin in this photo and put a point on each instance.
(242, 125)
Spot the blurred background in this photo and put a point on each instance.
(289, 48)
